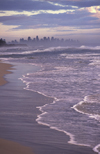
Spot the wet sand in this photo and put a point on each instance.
(18, 115)
(4, 69)
(7, 146)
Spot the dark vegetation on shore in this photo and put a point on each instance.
(4, 44)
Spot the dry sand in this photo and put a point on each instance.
(9, 147)
(4, 70)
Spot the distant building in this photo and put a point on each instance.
(44, 38)
(37, 38)
(29, 38)
(52, 38)
(21, 40)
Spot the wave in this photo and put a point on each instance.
(97, 149)
(90, 47)
(61, 48)
(40, 120)
(88, 100)
(72, 137)
(72, 47)
(89, 106)
(59, 74)
(29, 50)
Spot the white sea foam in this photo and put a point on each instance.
(39, 117)
(97, 148)
(29, 50)
(90, 47)
(73, 81)
(44, 113)
(89, 99)
(72, 47)
(72, 137)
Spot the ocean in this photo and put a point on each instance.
(71, 76)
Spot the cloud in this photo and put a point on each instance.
(27, 5)
(7, 19)
(33, 5)
(69, 15)
(78, 19)
(62, 5)
(27, 13)
(78, 3)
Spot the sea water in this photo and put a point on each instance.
(70, 75)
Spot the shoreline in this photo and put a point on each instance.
(40, 138)
(7, 146)
(4, 69)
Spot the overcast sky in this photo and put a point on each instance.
(76, 19)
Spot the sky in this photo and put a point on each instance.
(68, 19)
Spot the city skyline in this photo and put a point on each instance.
(37, 38)
(70, 19)
(45, 41)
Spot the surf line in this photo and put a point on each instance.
(39, 117)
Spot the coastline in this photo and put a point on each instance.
(4, 69)
(7, 146)
(18, 122)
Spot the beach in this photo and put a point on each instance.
(4, 69)
(18, 114)
(7, 146)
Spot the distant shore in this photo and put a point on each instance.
(13, 45)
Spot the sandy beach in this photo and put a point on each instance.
(6, 146)
(9, 147)
(18, 113)
(4, 69)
